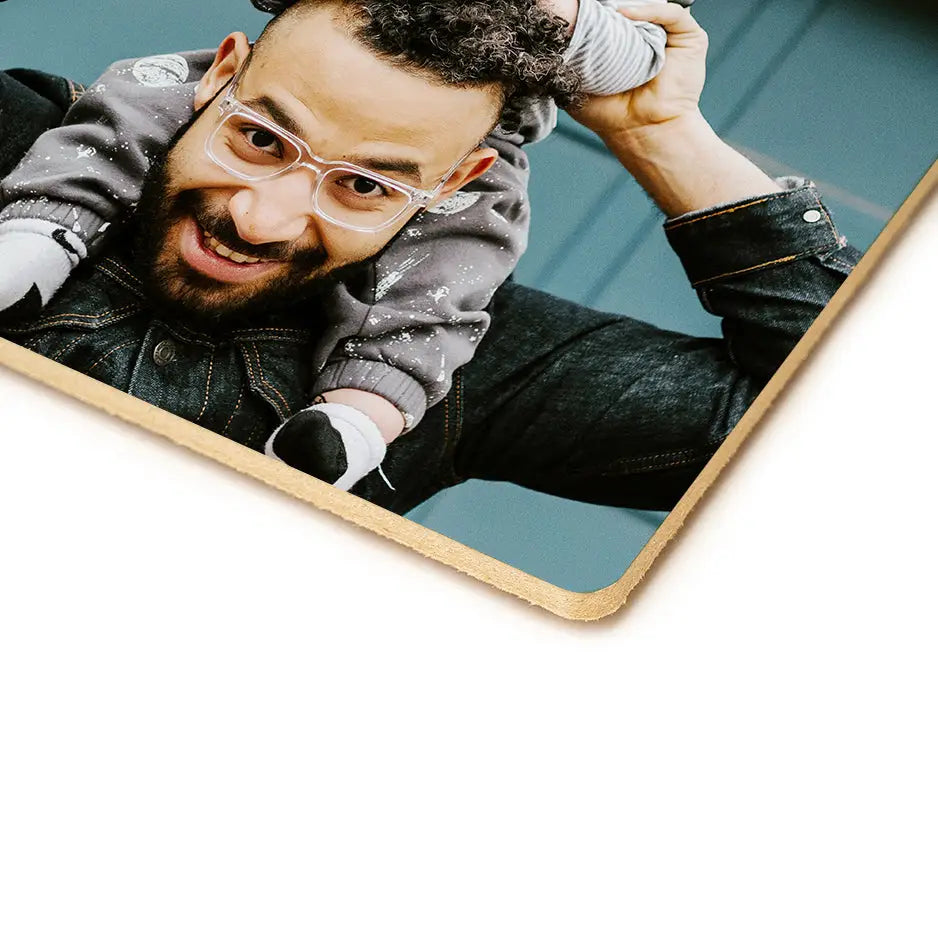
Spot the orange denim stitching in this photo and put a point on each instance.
(723, 211)
(648, 468)
(237, 407)
(208, 381)
(247, 360)
(646, 464)
(130, 284)
(89, 316)
(116, 348)
(746, 270)
(58, 355)
(649, 462)
(260, 370)
(116, 263)
(825, 213)
(64, 320)
(651, 457)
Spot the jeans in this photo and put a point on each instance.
(571, 401)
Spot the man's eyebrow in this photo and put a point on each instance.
(378, 164)
(274, 111)
(390, 164)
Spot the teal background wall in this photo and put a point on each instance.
(845, 93)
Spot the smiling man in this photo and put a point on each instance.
(214, 251)
(214, 309)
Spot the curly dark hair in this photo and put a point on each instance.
(515, 44)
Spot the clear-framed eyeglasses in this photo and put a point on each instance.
(254, 148)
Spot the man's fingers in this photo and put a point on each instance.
(674, 18)
(682, 29)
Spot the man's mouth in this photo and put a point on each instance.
(213, 244)
(202, 251)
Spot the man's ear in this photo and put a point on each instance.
(229, 57)
(473, 166)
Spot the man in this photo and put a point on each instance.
(566, 400)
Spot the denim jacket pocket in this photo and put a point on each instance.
(278, 368)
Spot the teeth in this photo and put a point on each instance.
(215, 245)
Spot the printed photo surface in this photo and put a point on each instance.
(514, 272)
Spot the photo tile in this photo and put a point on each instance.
(512, 297)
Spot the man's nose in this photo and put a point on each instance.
(274, 209)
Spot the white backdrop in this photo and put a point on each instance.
(222, 713)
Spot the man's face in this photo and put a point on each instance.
(214, 245)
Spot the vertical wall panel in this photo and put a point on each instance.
(80, 38)
(856, 103)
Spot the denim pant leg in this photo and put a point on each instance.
(31, 102)
(594, 406)
(574, 402)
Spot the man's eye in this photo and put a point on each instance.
(262, 139)
(364, 187)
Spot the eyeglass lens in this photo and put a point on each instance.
(342, 195)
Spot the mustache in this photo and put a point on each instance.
(222, 226)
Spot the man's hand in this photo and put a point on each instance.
(674, 93)
(658, 134)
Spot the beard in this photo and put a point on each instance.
(179, 291)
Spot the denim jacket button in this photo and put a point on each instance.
(164, 352)
(811, 216)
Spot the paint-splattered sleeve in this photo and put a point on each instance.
(426, 309)
(85, 173)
